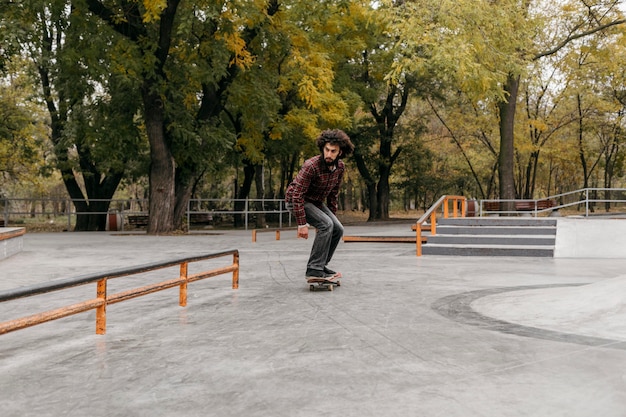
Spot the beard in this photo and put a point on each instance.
(330, 162)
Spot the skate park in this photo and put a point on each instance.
(403, 335)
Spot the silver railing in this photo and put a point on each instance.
(127, 212)
(586, 202)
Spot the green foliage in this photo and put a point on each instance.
(23, 130)
(256, 80)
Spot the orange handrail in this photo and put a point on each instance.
(103, 299)
(445, 201)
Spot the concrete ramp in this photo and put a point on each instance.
(597, 309)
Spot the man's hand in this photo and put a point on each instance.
(303, 232)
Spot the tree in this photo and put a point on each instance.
(187, 58)
(23, 130)
(279, 105)
(365, 53)
(472, 129)
(76, 91)
(489, 46)
(545, 97)
(597, 80)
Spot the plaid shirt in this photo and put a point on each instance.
(316, 184)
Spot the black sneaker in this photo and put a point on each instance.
(327, 270)
(316, 273)
(332, 273)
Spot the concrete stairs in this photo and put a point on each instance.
(493, 236)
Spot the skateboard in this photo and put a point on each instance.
(323, 284)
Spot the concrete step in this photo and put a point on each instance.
(488, 250)
(503, 240)
(493, 236)
(499, 221)
(495, 230)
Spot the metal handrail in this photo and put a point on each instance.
(580, 197)
(445, 202)
(103, 299)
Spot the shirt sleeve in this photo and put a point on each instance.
(300, 187)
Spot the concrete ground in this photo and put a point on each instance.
(402, 336)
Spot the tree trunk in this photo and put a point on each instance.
(382, 194)
(260, 192)
(369, 183)
(162, 173)
(581, 149)
(244, 191)
(182, 195)
(507, 135)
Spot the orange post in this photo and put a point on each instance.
(236, 270)
(277, 234)
(182, 297)
(418, 239)
(433, 223)
(101, 310)
(254, 236)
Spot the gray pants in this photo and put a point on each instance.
(329, 233)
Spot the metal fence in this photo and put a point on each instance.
(585, 202)
(125, 214)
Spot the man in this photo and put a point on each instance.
(317, 183)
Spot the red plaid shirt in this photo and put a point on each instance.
(316, 184)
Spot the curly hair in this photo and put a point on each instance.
(335, 137)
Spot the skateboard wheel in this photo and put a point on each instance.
(311, 287)
(331, 287)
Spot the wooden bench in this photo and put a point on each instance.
(137, 220)
(530, 205)
(491, 205)
(201, 218)
(141, 220)
(520, 205)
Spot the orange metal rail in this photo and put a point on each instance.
(458, 204)
(103, 299)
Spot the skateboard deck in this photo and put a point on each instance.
(321, 283)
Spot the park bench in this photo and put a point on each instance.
(530, 205)
(141, 220)
(201, 218)
(490, 206)
(137, 220)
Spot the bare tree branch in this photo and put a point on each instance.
(577, 36)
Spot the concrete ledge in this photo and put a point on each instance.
(11, 241)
